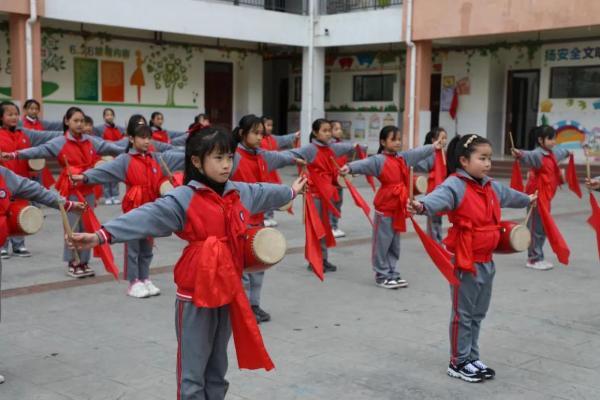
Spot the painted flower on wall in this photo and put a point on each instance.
(169, 72)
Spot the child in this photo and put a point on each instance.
(323, 177)
(545, 177)
(210, 213)
(272, 142)
(15, 186)
(156, 122)
(88, 125)
(434, 223)
(473, 202)
(111, 133)
(391, 167)
(136, 120)
(201, 119)
(252, 165)
(13, 139)
(141, 171)
(31, 119)
(80, 152)
(337, 134)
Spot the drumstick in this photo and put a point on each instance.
(411, 188)
(305, 171)
(443, 156)
(512, 140)
(530, 211)
(588, 167)
(166, 167)
(68, 229)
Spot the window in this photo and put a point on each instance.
(575, 82)
(298, 89)
(327, 89)
(374, 87)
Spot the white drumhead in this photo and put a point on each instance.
(107, 158)
(165, 188)
(421, 184)
(31, 220)
(520, 238)
(36, 164)
(269, 246)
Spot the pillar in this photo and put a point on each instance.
(422, 117)
(18, 58)
(313, 89)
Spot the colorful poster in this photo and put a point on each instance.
(113, 85)
(86, 79)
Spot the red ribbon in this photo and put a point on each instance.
(594, 219)
(571, 176)
(555, 238)
(516, 179)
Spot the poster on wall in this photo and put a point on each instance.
(113, 85)
(85, 75)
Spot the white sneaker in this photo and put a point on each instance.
(1, 379)
(152, 289)
(399, 282)
(548, 263)
(108, 201)
(138, 290)
(338, 233)
(387, 284)
(270, 222)
(539, 265)
(115, 200)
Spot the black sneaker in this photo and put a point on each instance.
(4, 255)
(261, 315)
(22, 252)
(486, 371)
(465, 371)
(328, 267)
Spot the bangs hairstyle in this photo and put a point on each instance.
(142, 131)
(203, 142)
(542, 132)
(433, 135)
(462, 146)
(246, 124)
(107, 110)
(88, 120)
(154, 115)
(316, 127)
(387, 132)
(29, 102)
(5, 105)
(134, 121)
(69, 114)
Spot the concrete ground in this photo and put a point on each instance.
(339, 339)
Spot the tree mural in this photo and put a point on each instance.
(51, 59)
(169, 71)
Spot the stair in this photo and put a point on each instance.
(502, 168)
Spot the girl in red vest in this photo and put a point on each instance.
(80, 152)
(13, 139)
(251, 165)
(142, 172)
(544, 177)
(210, 212)
(272, 142)
(391, 166)
(13, 186)
(158, 133)
(472, 201)
(337, 134)
(323, 177)
(111, 133)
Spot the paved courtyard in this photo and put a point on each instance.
(340, 339)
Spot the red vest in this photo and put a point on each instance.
(143, 180)
(81, 155)
(112, 133)
(269, 143)
(35, 125)
(324, 174)
(475, 230)
(4, 204)
(392, 195)
(14, 141)
(252, 168)
(546, 179)
(161, 136)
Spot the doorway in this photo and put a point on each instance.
(434, 100)
(218, 93)
(522, 96)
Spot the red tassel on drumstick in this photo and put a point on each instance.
(594, 219)
(358, 199)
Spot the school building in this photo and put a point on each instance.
(498, 66)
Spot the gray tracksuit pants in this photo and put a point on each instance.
(434, 227)
(538, 237)
(470, 303)
(385, 250)
(16, 242)
(338, 206)
(111, 190)
(253, 283)
(202, 338)
(319, 208)
(84, 255)
(138, 257)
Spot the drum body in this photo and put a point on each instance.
(420, 184)
(514, 238)
(264, 248)
(23, 218)
(165, 188)
(36, 164)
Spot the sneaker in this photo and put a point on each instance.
(401, 282)
(152, 289)
(328, 267)
(138, 290)
(465, 371)
(22, 252)
(4, 255)
(486, 371)
(87, 270)
(116, 201)
(108, 202)
(1, 379)
(387, 284)
(548, 263)
(270, 222)
(338, 233)
(539, 265)
(76, 271)
(261, 315)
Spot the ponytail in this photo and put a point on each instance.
(246, 124)
(68, 115)
(316, 127)
(385, 133)
(462, 146)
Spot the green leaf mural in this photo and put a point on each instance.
(581, 104)
(169, 71)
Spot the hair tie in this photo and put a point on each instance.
(469, 140)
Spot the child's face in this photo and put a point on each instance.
(443, 136)
(216, 165)
(547, 143)
(269, 127)
(140, 143)
(158, 120)
(204, 122)
(109, 117)
(254, 137)
(478, 165)
(75, 123)
(393, 143)
(336, 131)
(88, 128)
(324, 133)
(10, 118)
(32, 110)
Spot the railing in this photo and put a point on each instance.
(288, 6)
(344, 6)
